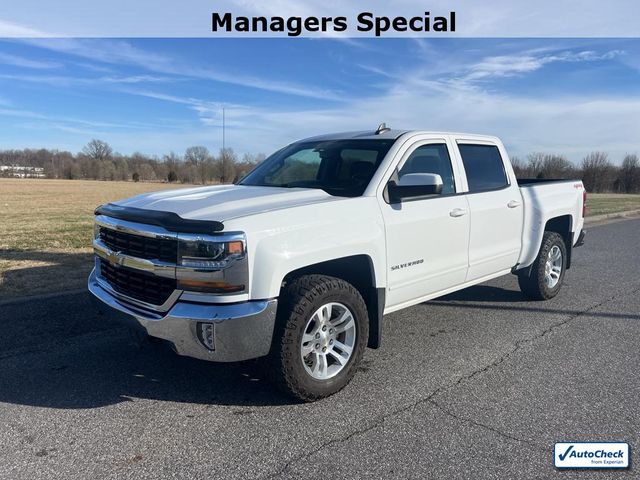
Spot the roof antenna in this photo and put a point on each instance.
(382, 128)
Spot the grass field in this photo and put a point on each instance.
(601, 203)
(46, 228)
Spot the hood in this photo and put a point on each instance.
(225, 202)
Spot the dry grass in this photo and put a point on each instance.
(601, 203)
(57, 214)
(46, 228)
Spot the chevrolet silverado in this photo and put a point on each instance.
(298, 261)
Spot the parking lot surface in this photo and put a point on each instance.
(478, 384)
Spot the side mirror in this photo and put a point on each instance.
(414, 185)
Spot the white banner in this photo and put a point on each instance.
(319, 18)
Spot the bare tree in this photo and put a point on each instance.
(122, 167)
(597, 172)
(556, 166)
(629, 175)
(225, 166)
(519, 167)
(247, 164)
(172, 164)
(201, 158)
(535, 161)
(548, 165)
(146, 172)
(106, 170)
(97, 150)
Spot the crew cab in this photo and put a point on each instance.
(299, 260)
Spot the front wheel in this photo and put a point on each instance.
(322, 331)
(545, 276)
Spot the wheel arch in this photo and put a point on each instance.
(359, 271)
(533, 235)
(562, 225)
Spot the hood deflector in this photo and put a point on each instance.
(168, 220)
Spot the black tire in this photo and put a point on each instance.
(299, 301)
(532, 280)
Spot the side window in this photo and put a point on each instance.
(432, 158)
(484, 167)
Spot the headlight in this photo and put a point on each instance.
(212, 264)
(206, 254)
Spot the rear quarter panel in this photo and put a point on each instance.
(543, 202)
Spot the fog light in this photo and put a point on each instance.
(205, 335)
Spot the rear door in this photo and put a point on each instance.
(496, 211)
(427, 238)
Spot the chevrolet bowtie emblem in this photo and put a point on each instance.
(115, 258)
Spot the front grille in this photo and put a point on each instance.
(139, 285)
(139, 246)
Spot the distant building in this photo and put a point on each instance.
(17, 171)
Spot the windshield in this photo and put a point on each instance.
(339, 167)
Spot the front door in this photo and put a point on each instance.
(427, 238)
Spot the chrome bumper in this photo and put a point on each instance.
(241, 330)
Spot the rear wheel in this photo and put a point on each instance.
(543, 280)
(322, 331)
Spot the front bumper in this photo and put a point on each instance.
(241, 330)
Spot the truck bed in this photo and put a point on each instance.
(525, 182)
(544, 199)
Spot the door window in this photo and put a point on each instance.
(484, 167)
(432, 158)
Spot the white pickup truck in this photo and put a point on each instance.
(299, 261)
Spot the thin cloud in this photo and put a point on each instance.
(23, 62)
(67, 81)
(441, 90)
(522, 122)
(93, 67)
(121, 52)
(452, 100)
(209, 111)
(10, 29)
(29, 114)
(511, 65)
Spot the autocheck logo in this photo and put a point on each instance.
(591, 455)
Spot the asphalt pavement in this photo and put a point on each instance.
(478, 384)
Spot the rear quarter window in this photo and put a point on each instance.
(483, 166)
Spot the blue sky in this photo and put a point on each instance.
(158, 95)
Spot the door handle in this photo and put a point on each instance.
(457, 212)
(513, 204)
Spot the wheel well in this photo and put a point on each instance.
(358, 271)
(562, 226)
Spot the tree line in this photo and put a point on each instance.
(98, 161)
(596, 171)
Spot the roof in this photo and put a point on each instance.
(361, 135)
(388, 135)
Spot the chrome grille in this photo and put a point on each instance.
(141, 286)
(138, 246)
